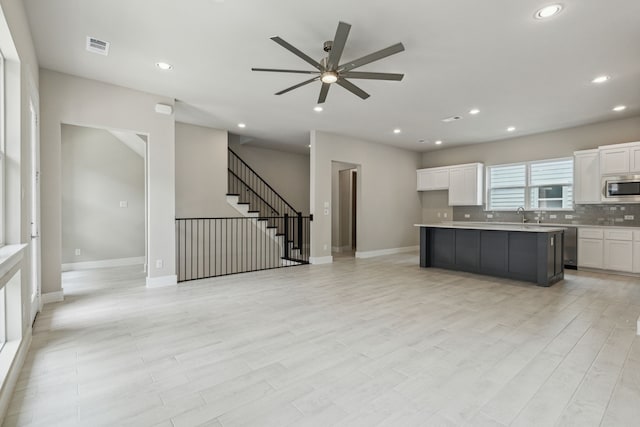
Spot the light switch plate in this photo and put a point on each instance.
(568, 216)
(552, 216)
(489, 216)
(467, 216)
(629, 217)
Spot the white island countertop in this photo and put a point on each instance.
(529, 228)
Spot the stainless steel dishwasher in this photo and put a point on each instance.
(571, 248)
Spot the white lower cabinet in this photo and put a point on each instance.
(590, 253)
(613, 249)
(636, 251)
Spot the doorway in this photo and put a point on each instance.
(344, 211)
(103, 198)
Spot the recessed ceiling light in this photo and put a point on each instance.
(600, 79)
(511, 129)
(438, 142)
(242, 125)
(396, 131)
(619, 108)
(548, 11)
(317, 108)
(474, 111)
(164, 66)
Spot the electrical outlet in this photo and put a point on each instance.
(467, 215)
(325, 247)
(629, 217)
(489, 216)
(78, 252)
(326, 211)
(159, 263)
(439, 214)
(568, 216)
(445, 214)
(553, 216)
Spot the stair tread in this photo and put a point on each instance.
(233, 194)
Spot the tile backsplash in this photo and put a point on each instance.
(623, 215)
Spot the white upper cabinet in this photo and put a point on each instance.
(433, 179)
(634, 159)
(586, 177)
(465, 185)
(620, 159)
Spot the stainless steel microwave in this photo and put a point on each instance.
(621, 189)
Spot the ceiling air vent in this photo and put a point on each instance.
(451, 119)
(97, 46)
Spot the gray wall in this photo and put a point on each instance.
(287, 173)
(201, 172)
(73, 100)
(99, 171)
(387, 200)
(548, 145)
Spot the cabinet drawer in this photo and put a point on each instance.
(618, 235)
(590, 233)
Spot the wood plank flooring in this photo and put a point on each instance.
(356, 343)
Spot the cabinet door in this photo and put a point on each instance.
(590, 253)
(464, 186)
(457, 187)
(618, 255)
(634, 159)
(586, 180)
(433, 179)
(614, 161)
(636, 257)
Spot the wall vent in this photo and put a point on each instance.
(451, 119)
(97, 46)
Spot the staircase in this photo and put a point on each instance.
(250, 195)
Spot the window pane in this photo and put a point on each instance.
(551, 197)
(506, 198)
(508, 176)
(554, 172)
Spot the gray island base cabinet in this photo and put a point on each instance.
(529, 254)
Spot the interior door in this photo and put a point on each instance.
(35, 214)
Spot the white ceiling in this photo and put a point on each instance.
(491, 54)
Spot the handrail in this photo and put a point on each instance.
(251, 189)
(262, 180)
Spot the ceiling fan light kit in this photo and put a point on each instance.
(329, 70)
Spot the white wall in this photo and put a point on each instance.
(98, 172)
(21, 84)
(73, 100)
(387, 200)
(287, 173)
(201, 172)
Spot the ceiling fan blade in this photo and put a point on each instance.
(297, 52)
(339, 41)
(372, 76)
(277, 70)
(324, 90)
(306, 82)
(352, 88)
(383, 53)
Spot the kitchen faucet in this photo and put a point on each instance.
(520, 211)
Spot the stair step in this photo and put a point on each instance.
(243, 203)
(233, 194)
(254, 211)
(271, 227)
(301, 261)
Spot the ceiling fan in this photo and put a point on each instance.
(329, 70)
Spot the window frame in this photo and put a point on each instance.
(527, 188)
(3, 149)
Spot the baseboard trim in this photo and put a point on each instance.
(13, 372)
(118, 262)
(162, 281)
(380, 252)
(50, 297)
(317, 260)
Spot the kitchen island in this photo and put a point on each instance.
(522, 252)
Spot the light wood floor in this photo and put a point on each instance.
(356, 343)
